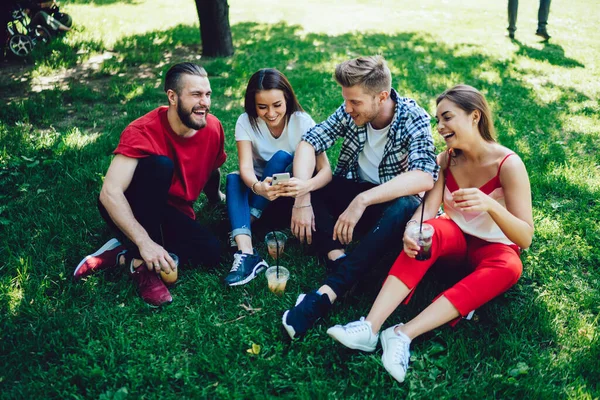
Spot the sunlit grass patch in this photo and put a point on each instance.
(580, 176)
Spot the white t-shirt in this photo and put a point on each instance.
(372, 154)
(264, 145)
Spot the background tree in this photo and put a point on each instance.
(215, 31)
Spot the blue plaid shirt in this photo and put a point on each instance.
(409, 146)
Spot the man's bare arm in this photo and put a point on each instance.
(406, 184)
(112, 196)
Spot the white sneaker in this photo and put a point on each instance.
(357, 335)
(396, 353)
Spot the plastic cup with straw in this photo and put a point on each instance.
(423, 236)
(277, 275)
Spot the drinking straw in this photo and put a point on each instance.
(276, 255)
(422, 212)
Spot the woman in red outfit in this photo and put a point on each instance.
(487, 203)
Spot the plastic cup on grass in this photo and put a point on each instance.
(277, 277)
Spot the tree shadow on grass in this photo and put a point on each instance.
(551, 52)
(58, 171)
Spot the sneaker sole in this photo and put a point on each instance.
(352, 346)
(157, 305)
(288, 328)
(111, 244)
(261, 266)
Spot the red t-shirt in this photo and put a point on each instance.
(194, 158)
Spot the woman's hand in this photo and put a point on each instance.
(268, 191)
(411, 248)
(295, 188)
(472, 200)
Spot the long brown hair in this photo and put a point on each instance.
(268, 79)
(470, 99)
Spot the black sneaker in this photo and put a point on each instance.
(543, 34)
(245, 268)
(308, 309)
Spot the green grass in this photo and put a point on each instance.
(62, 116)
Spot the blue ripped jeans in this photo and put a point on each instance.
(242, 203)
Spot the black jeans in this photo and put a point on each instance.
(166, 225)
(382, 224)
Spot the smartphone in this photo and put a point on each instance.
(278, 178)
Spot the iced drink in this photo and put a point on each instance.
(171, 277)
(275, 241)
(423, 238)
(277, 282)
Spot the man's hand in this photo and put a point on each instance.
(295, 187)
(344, 227)
(156, 257)
(303, 223)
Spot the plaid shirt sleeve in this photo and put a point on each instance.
(322, 136)
(421, 150)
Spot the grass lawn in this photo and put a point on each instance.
(64, 109)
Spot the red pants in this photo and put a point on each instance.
(493, 267)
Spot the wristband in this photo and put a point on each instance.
(306, 206)
(252, 188)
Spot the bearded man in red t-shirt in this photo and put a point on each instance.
(162, 163)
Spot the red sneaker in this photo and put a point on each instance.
(150, 286)
(105, 257)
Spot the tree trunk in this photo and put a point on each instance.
(214, 28)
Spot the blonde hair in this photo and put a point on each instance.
(371, 73)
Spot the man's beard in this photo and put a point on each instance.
(368, 117)
(186, 117)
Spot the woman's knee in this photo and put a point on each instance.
(513, 271)
(280, 160)
(233, 177)
(282, 155)
(444, 228)
(507, 269)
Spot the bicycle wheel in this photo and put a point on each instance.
(20, 45)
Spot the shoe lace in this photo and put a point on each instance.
(357, 326)
(238, 259)
(401, 353)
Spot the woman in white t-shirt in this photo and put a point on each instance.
(267, 135)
